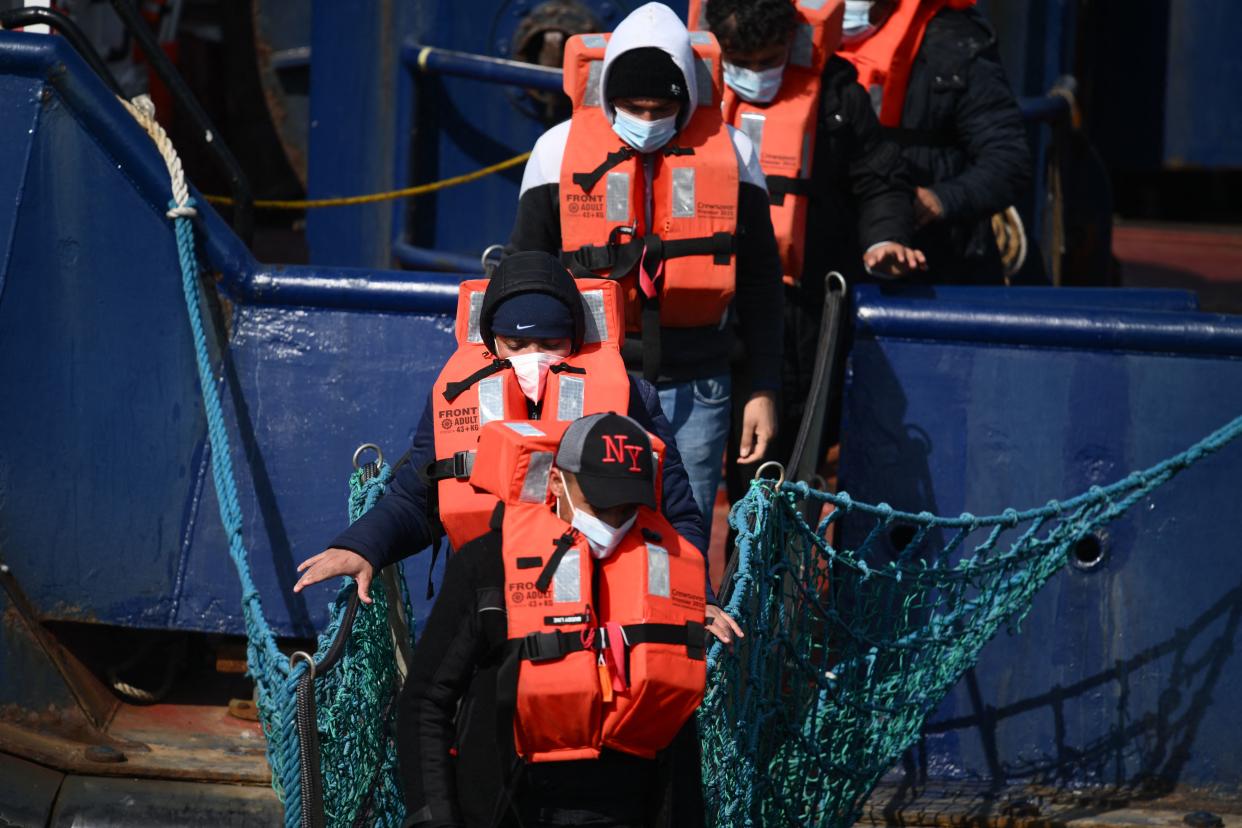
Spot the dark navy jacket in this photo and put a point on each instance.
(966, 141)
(399, 525)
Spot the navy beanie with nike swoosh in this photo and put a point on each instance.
(533, 316)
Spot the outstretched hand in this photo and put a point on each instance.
(722, 625)
(891, 260)
(332, 563)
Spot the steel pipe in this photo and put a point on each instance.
(433, 61)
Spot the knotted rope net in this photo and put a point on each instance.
(356, 701)
(858, 627)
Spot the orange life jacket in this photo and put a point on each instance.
(685, 248)
(884, 59)
(475, 388)
(608, 653)
(783, 130)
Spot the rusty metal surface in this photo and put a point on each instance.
(31, 651)
(164, 741)
(92, 802)
(282, 53)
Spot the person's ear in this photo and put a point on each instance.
(556, 484)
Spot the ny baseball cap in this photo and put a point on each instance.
(611, 456)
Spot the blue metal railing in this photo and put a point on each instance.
(1051, 110)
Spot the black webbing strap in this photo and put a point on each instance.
(692, 634)
(546, 646)
(780, 186)
(558, 552)
(566, 368)
(939, 138)
(650, 325)
(554, 644)
(457, 467)
(621, 258)
(587, 181)
(720, 246)
(453, 390)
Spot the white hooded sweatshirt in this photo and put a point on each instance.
(654, 24)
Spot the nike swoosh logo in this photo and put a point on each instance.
(524, 327)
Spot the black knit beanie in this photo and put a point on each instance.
(646, 72)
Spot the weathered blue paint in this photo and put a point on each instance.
(1204, 71)
(1121, 672)
(105, 504)
(354, 64)
(878, 296)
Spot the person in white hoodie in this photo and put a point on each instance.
(649, 93)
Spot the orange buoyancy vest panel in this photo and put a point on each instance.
(475, 388)
(608, 653)
(783, 130)
(686, 246)
(651, 591)
(884, 59)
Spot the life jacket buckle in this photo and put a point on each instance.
(540, 646)
(463, 464)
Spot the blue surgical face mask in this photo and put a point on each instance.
(644, 136)
(857, 24)
(601, 537)
(754, 86)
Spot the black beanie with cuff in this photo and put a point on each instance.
(645, 72)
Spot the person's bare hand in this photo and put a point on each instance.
(927, 207)
(891, 260)
(758, 426)
(332, 563)
(722, 625)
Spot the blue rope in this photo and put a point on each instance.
(264, 657)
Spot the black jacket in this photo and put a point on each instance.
(686, 353)
(400, 524)
(966, 141)
(861, 190)
(455, 753)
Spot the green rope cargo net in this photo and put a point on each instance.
(848, 650)
(356, 701)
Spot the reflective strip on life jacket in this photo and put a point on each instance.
(783, 131)
(686, 246)
(474, 389)
(884, 59)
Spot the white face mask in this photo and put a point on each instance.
(601, 537)
(532, 372)
(644, 136)
(857, 24)
(754, 86)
